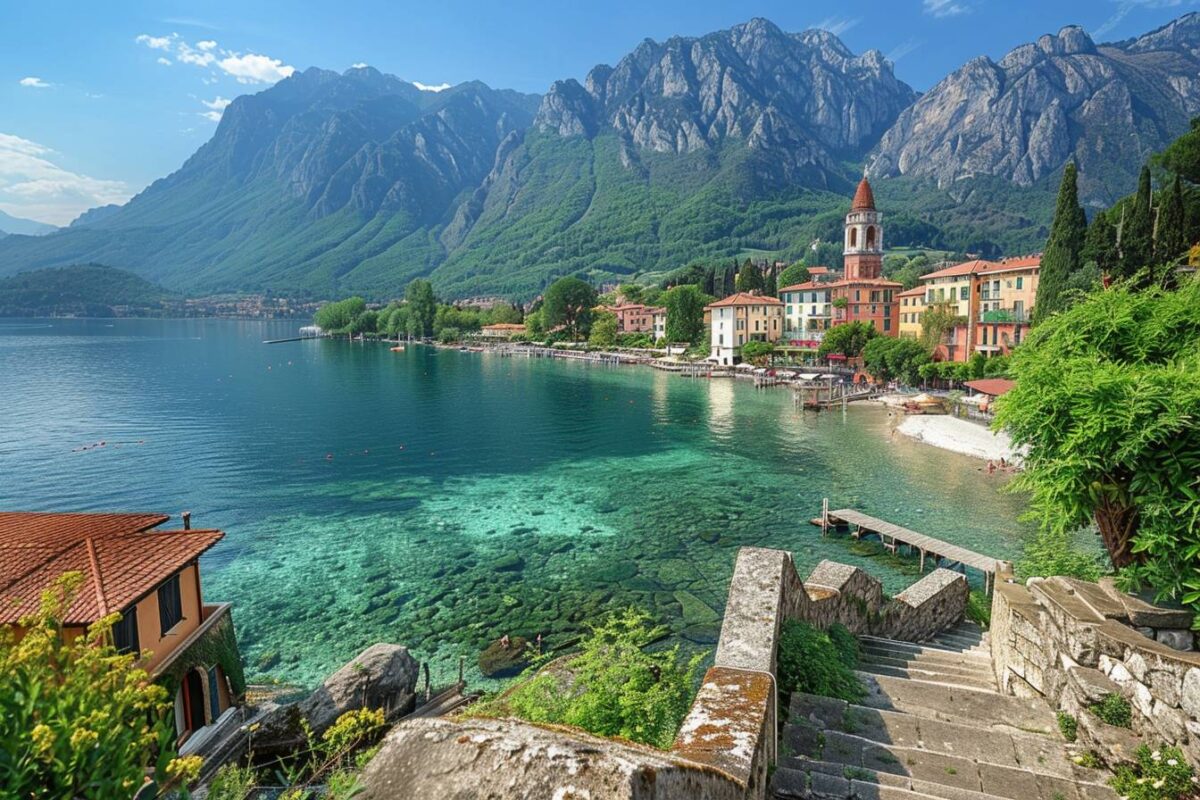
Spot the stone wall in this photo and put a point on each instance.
(1074, 642)
(727, 740)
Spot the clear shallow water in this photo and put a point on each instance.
(439, 499)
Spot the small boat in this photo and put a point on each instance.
(398, 348)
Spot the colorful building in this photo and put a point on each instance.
(1007, 292)
(658, 318)
(742, 318)
(912, 304)
(806, 311)
(502, 330)
(952, 289)
(153, 579)
(862, 294)
(634, 318)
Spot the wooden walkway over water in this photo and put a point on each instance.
(893, 535)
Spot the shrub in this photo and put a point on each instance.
(1050, 552)
(1158, 775)
(1114, 710)
(232, 782)
(613, 687)
(979, 609)
(1068, 726)
(818, 662)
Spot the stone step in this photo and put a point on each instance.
(923, 647)
(970, 667)
(828, 716)
(985, 709)
(803, 778)
(962, 642)
(931, 674)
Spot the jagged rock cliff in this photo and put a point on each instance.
(1062, 97)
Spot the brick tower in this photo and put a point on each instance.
(864, 236)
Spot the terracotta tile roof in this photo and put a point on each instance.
(745, 299)
(864, 198)
(965, 268)
(992, 386)
(818, 270)
(1026, 264)
(916, 291)
(800, 287)
(121, 560)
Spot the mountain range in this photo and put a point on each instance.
(742, 141)
(28, 227)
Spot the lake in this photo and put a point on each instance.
(440, 498)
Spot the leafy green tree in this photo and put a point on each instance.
(889, 359)
(366, 322)
(503, 314)
(848, 339)
(77, 718)
(1105, 404)
(937, 320)
(1100, 243)
(604, 330)
(449, 335)
(685, 314)
(757, 352)
(336, 317)
(1170, 240)
(632, 292)
(796, 273)
(1064, 248)
(535, 323)
(1136, 240)
(422, 308)
(1182, 156)
(569, 302)
(770, 287)
(749, 278)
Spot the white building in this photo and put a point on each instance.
(806, 311)
(742, 318)
(659, 317)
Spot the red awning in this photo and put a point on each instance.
(836, 357)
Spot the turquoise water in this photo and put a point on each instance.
(440, 499)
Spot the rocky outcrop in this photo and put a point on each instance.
(1062, 97)
(384, 676)
(801, 96)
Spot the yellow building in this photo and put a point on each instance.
(912, 304)
(153, 579)
(742, 318)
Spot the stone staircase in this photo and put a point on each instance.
(932, 725)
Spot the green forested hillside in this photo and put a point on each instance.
(90, 289)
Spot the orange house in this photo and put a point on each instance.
(153, 579)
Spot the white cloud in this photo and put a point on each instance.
(208, 44)
(360, 65)
(189, 55)
(211, 116)
(166, 62)
(156, 42)
(441, 87)
(255, 68)
(837, 25)
(34, 187)
(904, 48)
(217, 104)
(1124, 7)
(945, 8)
(35, 83)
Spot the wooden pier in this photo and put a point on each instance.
(894, 535)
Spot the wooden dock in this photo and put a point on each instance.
(893, 535)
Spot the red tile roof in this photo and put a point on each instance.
(992, 386)
(818, 270)
(121, 560)
(800, 287)
(916, 291)
(1026, 264)
(864, 199)
(746, 299)
(965, 268)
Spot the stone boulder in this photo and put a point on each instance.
(498, 661)
(383, 676)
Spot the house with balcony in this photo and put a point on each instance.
(806, 312)
(742, 318)
(152, 578)
(912, 304)
(954, 289)
(1007, 291)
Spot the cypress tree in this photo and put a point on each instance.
(749, 279)
(770, 285)
(1100, 243)
(1063, 248)
(1137, 242)
(1170, 237)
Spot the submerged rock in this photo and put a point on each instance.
(499, 661)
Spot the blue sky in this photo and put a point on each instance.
(99, 99)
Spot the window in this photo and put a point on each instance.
(214, 696)
(1020, 281)
(857, 295)
(125, 634)
(964, 293)
(887, 324)
(170, 605)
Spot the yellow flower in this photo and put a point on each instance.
(43, 738)
(185, 768)
(82, 737)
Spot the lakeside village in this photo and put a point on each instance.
(1073, 673)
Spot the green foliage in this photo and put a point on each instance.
(232, 782)
(749, 278)
(1136, 239)
(1068, 726)
(91, 289)
(337, 317)
(613, 687)
(1050, 552)
(794, 274)
(77, 719)
(422, 308)
(1105, 402)
(1100, 244)
(1113, 710)
(937, 320)
(979, 608)
(818, 662)
(1160, 774)
(758, 352)
(1063, 255)
(449, 335)
(1182, 156)
(568, 302)
(848, 339)
(1170, 233)
(632, 292)
(685, 313)
(604, 330)
(889, 359)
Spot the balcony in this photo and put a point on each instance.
(1005, 315)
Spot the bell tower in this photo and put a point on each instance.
(864, 236)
